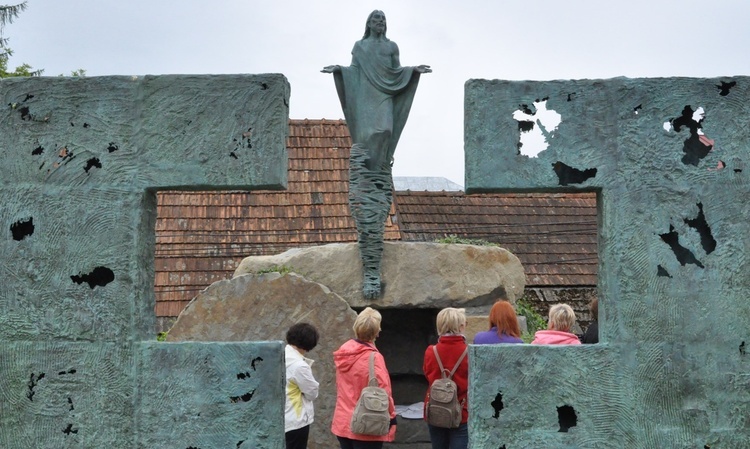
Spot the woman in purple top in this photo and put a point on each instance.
(503, 326)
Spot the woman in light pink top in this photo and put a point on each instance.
(561, 319)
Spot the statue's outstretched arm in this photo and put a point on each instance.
(331, 69)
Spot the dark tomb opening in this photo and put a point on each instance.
(404, 337)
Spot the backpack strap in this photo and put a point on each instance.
(440, 363)
(372, 371)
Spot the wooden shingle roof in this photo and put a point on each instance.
(201, 237)
(553, 234)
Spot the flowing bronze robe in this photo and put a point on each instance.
(376, 98)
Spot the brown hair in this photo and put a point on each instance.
(503, 316)
(594, 308)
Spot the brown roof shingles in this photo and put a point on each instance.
(553, 234)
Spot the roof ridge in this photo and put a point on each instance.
(307, 121)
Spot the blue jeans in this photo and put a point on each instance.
(449, 438)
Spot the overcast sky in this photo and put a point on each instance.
(508, 39)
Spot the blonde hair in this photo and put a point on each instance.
(561, 317)
(367, 325)
(450, 320)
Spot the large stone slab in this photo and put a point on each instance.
(668, 160)
(71, 389)
(414, 274)
(263, 307)
(222, 395)
(82, 161)
(150, 131)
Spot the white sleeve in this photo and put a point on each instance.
(307, 384)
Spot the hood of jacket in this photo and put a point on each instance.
(345, 356)
(549, 337)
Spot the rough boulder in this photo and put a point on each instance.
(262, 307)
(414, 274)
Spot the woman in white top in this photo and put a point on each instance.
(301, 386)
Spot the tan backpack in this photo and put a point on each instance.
(371, 415)
(443, 408)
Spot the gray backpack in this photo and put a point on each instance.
(443, 408)
(371, 415)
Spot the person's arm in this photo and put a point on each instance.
(430, 366)
(307, 384)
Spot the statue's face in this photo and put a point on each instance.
(377, 22)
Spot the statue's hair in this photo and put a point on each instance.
(367, 24)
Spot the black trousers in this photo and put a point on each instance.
(347, 443)
(297, 438)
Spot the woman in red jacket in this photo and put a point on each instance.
(451, 344)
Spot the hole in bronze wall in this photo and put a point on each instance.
(567, 175)
(22, 229)
(99, 277)
(683, 255)
(566, 417)
(497, 405)
(701, 226)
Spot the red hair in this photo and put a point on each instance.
(503, 316)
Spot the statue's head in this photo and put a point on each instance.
(373, 19)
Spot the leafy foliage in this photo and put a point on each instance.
(464, 241)
(22, 70)
(81, 73)
(10, 12)
(7, 14)
(534, 321)
(281, 269)
(161, 336)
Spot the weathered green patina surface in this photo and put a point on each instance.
(376, 94)
(83, 158)
(670, 160)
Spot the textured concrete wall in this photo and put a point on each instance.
(673, 367)
(82, 158)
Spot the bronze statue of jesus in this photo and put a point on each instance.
(376, 94)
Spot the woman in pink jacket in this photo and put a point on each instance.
(352, 362)
(561, 319)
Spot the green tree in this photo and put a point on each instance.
(7, 14)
